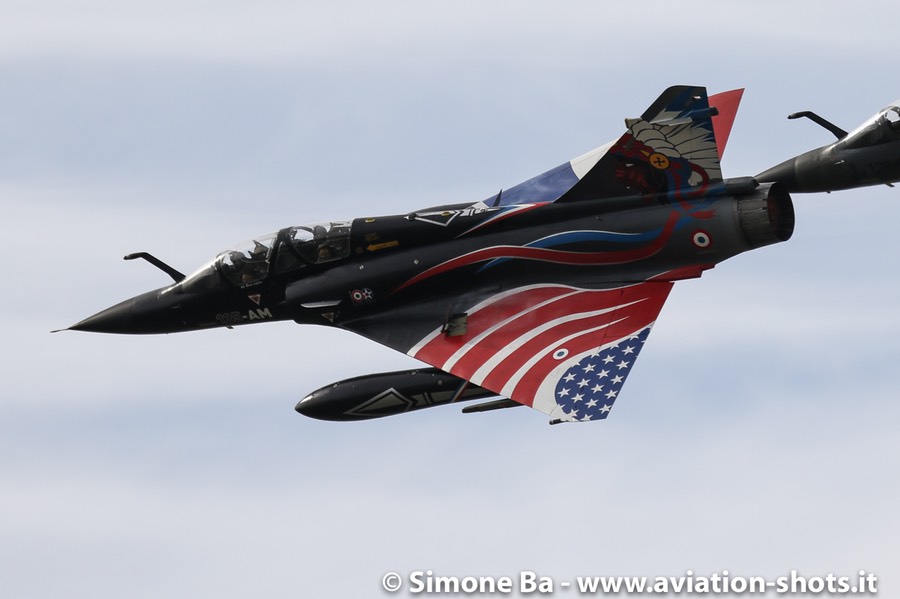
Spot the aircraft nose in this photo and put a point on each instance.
(142, 314)
(115, 319)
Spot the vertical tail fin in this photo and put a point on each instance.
(672, 149)
(726, 104)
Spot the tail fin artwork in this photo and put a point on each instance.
(674, 147)
(726, 105)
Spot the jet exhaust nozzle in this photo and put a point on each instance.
(766, 216)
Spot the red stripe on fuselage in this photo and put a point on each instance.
(548, 255)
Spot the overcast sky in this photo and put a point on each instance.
(757, 435)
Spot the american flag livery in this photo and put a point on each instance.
(588, 390)
(528, 344)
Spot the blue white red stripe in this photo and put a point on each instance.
(551, 255)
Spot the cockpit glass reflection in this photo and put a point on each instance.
(893, 116)
(249, 262)
(203, 279)
(284, 251)
(882, 128)
(323, 242)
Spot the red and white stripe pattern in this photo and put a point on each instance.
(520, 342)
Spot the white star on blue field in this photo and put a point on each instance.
(588, 390)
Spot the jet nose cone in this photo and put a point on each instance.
(116, 319)
(152, 312)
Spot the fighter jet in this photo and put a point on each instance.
(868, 155)
(540, 295)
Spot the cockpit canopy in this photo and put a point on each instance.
(321, 243)
(288, 249)
(882, 128)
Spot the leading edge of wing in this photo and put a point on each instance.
(562, 350)
(679, 125)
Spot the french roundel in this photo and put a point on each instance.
(701, 239)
